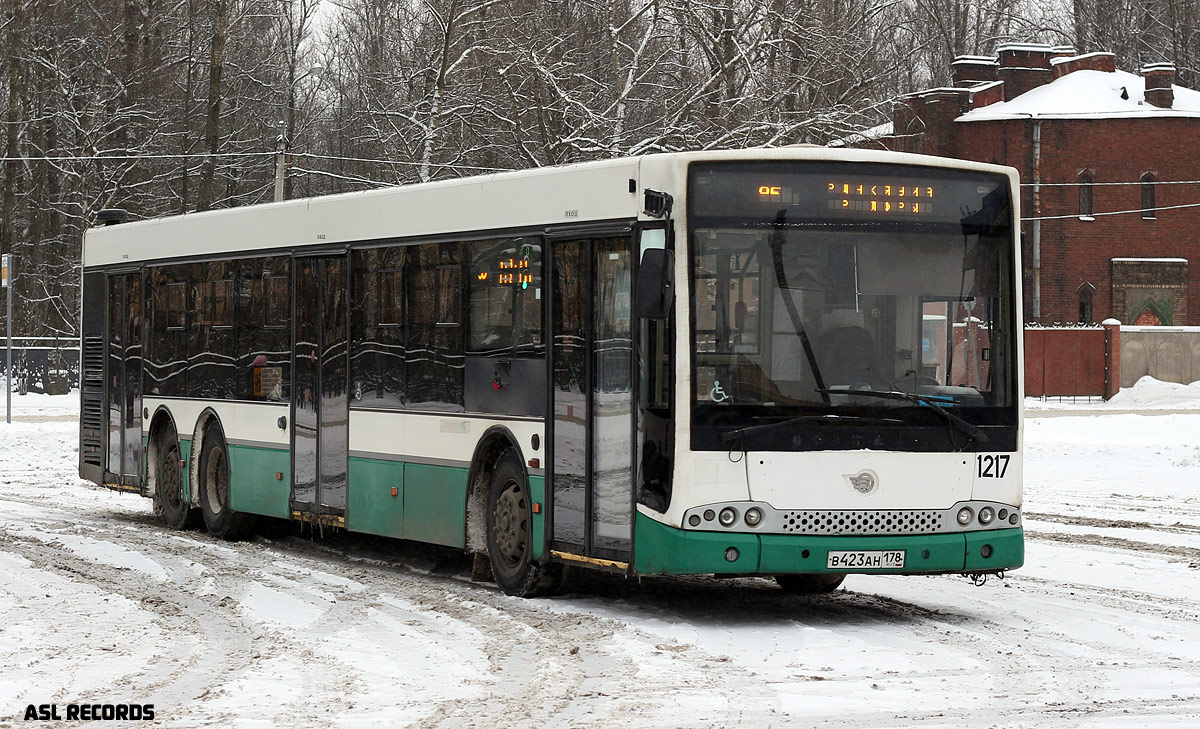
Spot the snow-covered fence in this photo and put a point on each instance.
(44, 364)
(1073, 361)
(1169, 354)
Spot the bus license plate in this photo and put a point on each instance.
(891, 560)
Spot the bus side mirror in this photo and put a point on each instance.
(656, 283)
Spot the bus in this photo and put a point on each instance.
(795, 363)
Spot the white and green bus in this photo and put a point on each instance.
(797, 363)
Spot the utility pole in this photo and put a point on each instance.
(281, 146)
(283, 143)
(6, 280)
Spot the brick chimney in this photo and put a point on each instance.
(969, 70)
(1023, 66)
(924, 121)
(1106, 62)
(1159, 77)
(1061, 52)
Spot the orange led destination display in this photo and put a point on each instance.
(509, 271)
(514, 272)
(864, 195)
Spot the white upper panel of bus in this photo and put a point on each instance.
(591, 191)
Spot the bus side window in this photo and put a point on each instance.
(504, 309)
(434, 351)
(264, 338)
(166, 361)
(377, 329)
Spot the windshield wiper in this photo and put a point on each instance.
(778, 238)
(937, 402)
(830, 419)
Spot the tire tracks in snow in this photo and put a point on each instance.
(559, 663)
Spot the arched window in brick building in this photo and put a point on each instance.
(1085, 193)
(1148, 207)
(1085, 292)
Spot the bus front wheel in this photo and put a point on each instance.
(510, 535)
(809, 584)
(221, 520)
(169, 504)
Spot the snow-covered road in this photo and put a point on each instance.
(99, 604)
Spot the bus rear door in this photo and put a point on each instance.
(123, 381)
(320, 411)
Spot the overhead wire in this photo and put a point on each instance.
(312, 155)
(441, 165)
(1113, 212)
(1104, 184)
(126, 157)
(478, 168)
(227, 155)
(1130, 211)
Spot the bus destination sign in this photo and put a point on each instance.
(870, 196)
(837, 193)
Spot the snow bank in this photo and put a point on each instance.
(1146, 394)
(43, 406)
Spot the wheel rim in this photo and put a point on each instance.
(214, 476)
(169, 480)
(510, 527)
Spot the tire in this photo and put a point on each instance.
(510, 535)
(169, 504)
(222, 521)
(810, 584)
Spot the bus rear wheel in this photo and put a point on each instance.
(810, 584)
(510, 535)
(169, 504)
(221, 520)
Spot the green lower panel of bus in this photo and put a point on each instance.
(408, 501)
(372, 507)
(537, 494)
(663, 550)
(428, 503)
(261, 480)
(435, 504)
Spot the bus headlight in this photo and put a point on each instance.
(753, 516)
(964, 515)
(986, 515)
(727, 516)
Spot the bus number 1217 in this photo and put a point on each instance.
(991, 466)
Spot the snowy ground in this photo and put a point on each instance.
(1101, 628)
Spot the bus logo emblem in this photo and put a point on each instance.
(863, 483)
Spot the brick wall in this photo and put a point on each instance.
(1150, 292)
(1075, 251)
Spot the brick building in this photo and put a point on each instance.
(1074, 125)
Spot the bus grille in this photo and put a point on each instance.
(91, 411)
(93, 363)
(863, 522)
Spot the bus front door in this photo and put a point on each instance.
(320, 415)
(591, 411)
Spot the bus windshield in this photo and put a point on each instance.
(815, 293)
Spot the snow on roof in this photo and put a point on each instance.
(866, 135)
(1028, 47)
(1088, 94)
(963, 60)
(1076, 59)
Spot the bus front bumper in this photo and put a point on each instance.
(664, 550)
